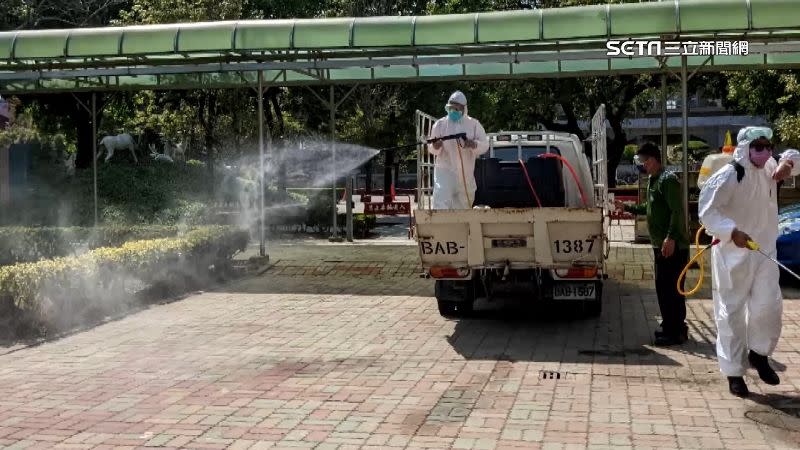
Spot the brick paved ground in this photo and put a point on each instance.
(345, 349)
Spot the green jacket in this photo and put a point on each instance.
(664, 210)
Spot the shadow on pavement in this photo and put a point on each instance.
(778, 411)
(503, 330)
(550, 335)
(331, 285)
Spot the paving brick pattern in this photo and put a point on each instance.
(336, 361)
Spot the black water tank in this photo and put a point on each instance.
(502, 184)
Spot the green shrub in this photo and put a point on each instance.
(184, 212)
(697, 152)
(276, 197)
(318, 216)
(363, 224)
(629, 152)
(319, 211)
(54, 290)
(21, 244)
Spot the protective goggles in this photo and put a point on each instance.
(753, 133)
(448, 107)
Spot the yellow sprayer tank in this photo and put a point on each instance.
(716, 161)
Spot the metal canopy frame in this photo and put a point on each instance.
(487, 45)
(541, 43)
(328, 69)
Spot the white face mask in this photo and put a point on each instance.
(453, 114)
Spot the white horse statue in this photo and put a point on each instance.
(160, 157)
(120, 141)
(69, 164)
(176, 151)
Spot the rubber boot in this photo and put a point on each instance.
(738, 387)
(761, 364)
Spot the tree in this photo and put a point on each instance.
(62, 112)
(38, 14)
(172, 11)
(773, 93)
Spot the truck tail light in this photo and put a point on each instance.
(448, 272)
(577, 272)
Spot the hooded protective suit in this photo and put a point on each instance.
(448, 189)
(747, 298)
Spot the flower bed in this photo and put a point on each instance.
(59, 293)
(30, 244)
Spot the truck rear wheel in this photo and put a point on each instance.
(455, 298)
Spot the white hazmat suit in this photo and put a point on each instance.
(748, 303)
(448, 178)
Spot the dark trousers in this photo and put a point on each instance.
(671, 303)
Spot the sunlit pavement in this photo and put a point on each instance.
(341, 346)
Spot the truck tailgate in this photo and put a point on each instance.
(522, 238)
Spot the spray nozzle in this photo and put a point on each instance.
(752, 245)
(449, 137)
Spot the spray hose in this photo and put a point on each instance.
(572, 171)
(692, 261)
(530, 183)
(750, 245)
(463, 176)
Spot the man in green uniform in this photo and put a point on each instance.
(665, 222)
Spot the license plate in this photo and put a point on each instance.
(573, 291)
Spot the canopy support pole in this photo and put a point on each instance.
(685, 181)
(349, 207)
(94, 154)
(664, 116)
(332, 126)
(262, 247)
(333, 107)
(92, 110)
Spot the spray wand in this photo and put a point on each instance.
(753, 246)
(449, 137)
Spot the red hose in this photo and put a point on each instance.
(530, 184)
(574, 175)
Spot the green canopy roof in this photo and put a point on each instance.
(494, 45)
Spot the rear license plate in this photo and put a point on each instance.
(573, 291)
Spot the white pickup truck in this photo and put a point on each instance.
(538, 223)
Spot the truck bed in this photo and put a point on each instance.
(517, 238)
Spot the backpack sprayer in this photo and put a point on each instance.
(750, 244)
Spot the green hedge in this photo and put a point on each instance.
(24, 244)
(363, 224)
(320, 209)
(57, 291)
